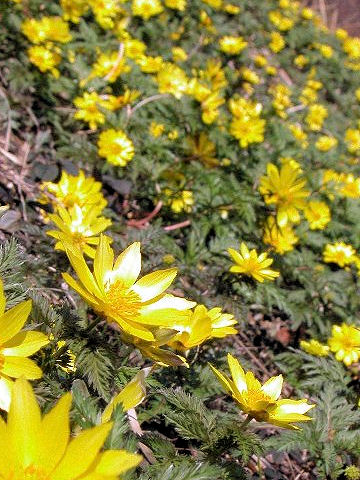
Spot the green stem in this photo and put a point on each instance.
(246, 422)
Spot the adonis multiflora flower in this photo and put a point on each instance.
(114, 291)
(345, 343)
(249, 263)
(116, 147)
(40, 447)
(314, 347)
(339, 253)
(284, 188)
(262, 401)
(16, 346)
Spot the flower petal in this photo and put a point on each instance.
(116, 462)
(6, 386)
(155, 283)
(237, 373)
(127, 266)
(103, 262)
(273, 386)
(24, 344)
(17, 367)
(13, 320)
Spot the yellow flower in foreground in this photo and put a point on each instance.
(315, 348)
(285, 189)
(109, 65)
(249, 263)
(46, 29)
(130, 396)
(262, 401)
(317, 214)
(248, 130)
(36, 447)
(339, 253)
(79, 227)
(137, 306)
(326, 143)
(88, 108)
(282, 239)
(15, 347)
(345, 343)
(201, 325)
(45, 59)
(116, 147)
(232, 45)
(74, 189)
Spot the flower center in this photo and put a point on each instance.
(31, 472)
(122, 302)
(258, 401)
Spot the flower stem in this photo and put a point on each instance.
(246, 422)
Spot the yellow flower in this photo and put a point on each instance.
(299, 134)
(209, 107)
(341, 34)
(232, 45)
(105, 12)
(172, 79)
(339, 253)
(307, 13)
(79, 227)
(325, 50)
(248, 130)
(180, 201)
(317, 214)
(249, 263)
(150, 64)
(116, 147)
(88, 108)
(40, 447)
(156, 129)
(284, 188)
(110, 66)
(350, 186)
(351, 46)
(66, 360)
(112, 290)
(179, 54)
(315, 348)
(277, 42)
(345, 343)
(260, 61)
(130, 396)
(280, 21)
(316, 116)
(282, 239)
(53, 29)
(216, 4)
(232, 9)
(352, 139)
(262, 401)
(15, 346)
(357, 94)
(281, 99)
(146, 8)
(249, 76)
(44, 59)
(176, 4)
(326, 143)
(71, 190)
(74, 9)
(301, 61)
(201, 325)
(203, 149)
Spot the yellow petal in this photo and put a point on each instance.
(88, 297)
(4, 462)
(17, 367)
(55, 433)
(225, 382)
(24, 344)
(23, 425)
(6, 386)
(237, 373)
(273, 386)
(81, 453)
(127, 266)
(116, 462)
(82, 270)
(155, 283)
(13, 320)
(103, 262)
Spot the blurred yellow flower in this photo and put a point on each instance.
(105, 12)
(299, 134)
(74, 9)
(280, 21)
(345, 343)
(176, 4)
(326, 143)
(232, 45)
(112, 290)
(352, 139)
(146, 8)
(181, 201)
(277, 42)
(249, 263)
(109, 65)
(156, 129)
(116, 147)
(262, 401)
(40, 447)
(314, 348)
(339, 253)
(15, 346)
(301, 61)
(282, 239)
(47, 29)
(316, 116)
(203, 149)
(78, 226)
(284, 188)
(317, 214)
(88, 108)
(45, 59)
(74, 190)
(179, 54)
(172, 79)
(351, 46)
(250, 76)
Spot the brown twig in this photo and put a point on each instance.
(169, 228)
(140, 223)
(117, 63)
